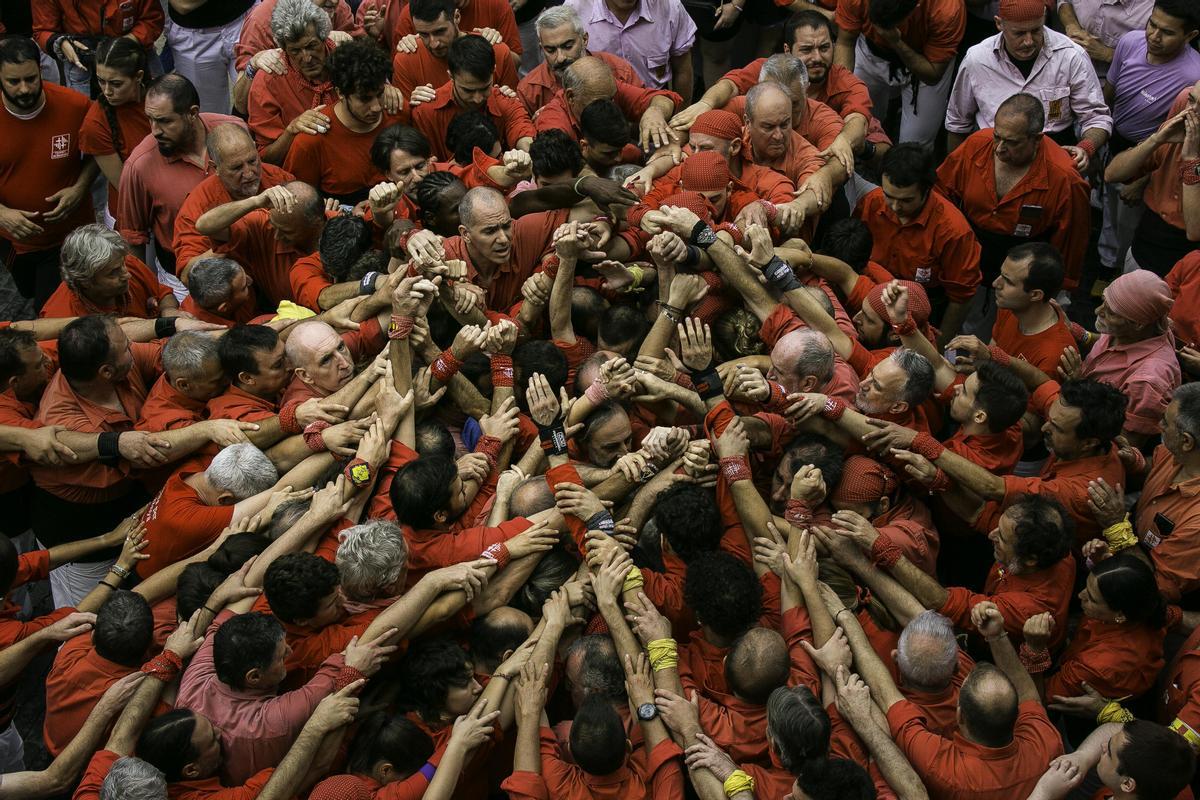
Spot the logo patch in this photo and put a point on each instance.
(60, 145)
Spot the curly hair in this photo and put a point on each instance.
(1044, 530)
(359, 67)
(724, 593)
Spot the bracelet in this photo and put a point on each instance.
(602, 521)
(997, 637)
(575, 188)
(251, 71)
(884, 552)
(358, 472)
(110, 586)
(771, 209)
(779, 274)
(1120, 535)
(108, 448)
(798, 512)
(833, 409)
(906, 328)
(940, 482)
(693, 256)
(1189, 172)
(663, 653)
(1034, 661)
(553, 438)
(120, 571)
(702, 235)
(287, 418)
(638, 274)
(736, 468)
(708, 383)
(925, 445)
(164, 327)
(737, 781)
(347, 676)
(164, 667)
(1114, 712)
(399, 327)
(502, 371)
(1087, 146)
(674, 313)
(597, 392)
(489, 446)
(209, 610)
(999, 355)
(843, 611)
(429, 770)
(312, 436)
(366, 286)
(499, 553)
(445, 366)
(633, 581)
(1185, 730)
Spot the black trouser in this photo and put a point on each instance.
(36, 274)
(14, 510)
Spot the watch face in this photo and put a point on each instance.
(706, 237)
(647, 711)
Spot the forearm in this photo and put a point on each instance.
(892, 764)
(504, 584)
(400, 355)
(75, 551)
(925, 589)
(561, 328)
(527, 755)
(1130, 164)
(286, 780)
(953, 140)
(1097, 136)
(1004, 656)
(868, 663)
(902, 604)
(854, 130)
(15, 657)
(819, 617)
(353, 391)
(807, 308)
(1191, 211)
(330, 296)
(134, 716)
(1068, 18)
(971, 476)
(720, 93)
(216, 222)
(405, 612)
(918, 64)
(843, 51)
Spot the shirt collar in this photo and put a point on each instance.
(602, 13)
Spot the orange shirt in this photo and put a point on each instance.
(934, 29)
(141, 299)
(1050, 203)
(95, 482)
(1067, 482)
(276, 100)
(1180, 702)
(38, 157)
(958, 769)
(433, 119)
(820, 126)
(1164, 192)
(1042, 349)
(76, 682)
(338, 162)
(178, 522)
(252, 243)
(422, 67)
(1019, 597)
(238, 404)
(166, 408)
(998, 453)
(154, 186)
(940, 708)
(799, 161)
(241, 315)
(207, 195)
(663, 779)
(936, 249)
(213, 789)
(495, 14)
(1167, 520)
(538, 87)
(1184, 280)
(1117, 660)
(256, 30)
(96, 136)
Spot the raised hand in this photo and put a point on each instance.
(695, 339)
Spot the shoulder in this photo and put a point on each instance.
(65, 98)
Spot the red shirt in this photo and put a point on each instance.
(958, 769)
(96, 136)
(142, 299)
(799, 161)
(166, 408)
(308, 279)
(1180, 702)
(1184, 280)
(338, 162)
(207, 195)
(364, 343)
(38, 157)
(1042, 350)
(663, 779)
(256, 30)
(1167, 520)
(154, 186)
(178, 522)
(495, 14)
(937, 249)
(141, 19)
(1050, 203)
(422, 67)
(31, 566)
(998, 453)
(252, 243)
(238, 404)
(1019, 597)
(538, 87)
(820, 125)
(842, 90)
(1117, 660)
(934, 29)
(433, 119)
(632, 100)
(76, 682)
(241, 315)
(276, 100)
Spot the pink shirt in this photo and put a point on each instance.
(1147, 372)
(1062, 78)
(1109, 20)
(656, 31)
(257, 727)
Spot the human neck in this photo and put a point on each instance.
(256, 392)
(98, 391)
(973, 428)
(346, 118)
(1036, 318)
(1148, 332)
(1188, 466)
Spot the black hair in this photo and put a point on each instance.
(421, 489)
(124, 629)
(434, 439)
(991, 718)
(237, 549)
(429, 193)
(18, 50)
(909, 164)
(800, 729)
(245, 642)
(539, 355)
(473, 55)
(12, 342)
(889, 13)
(600, 670)
(807, 19)
(489, 638)
(398, 137)
(1101, 409)
(429, 670)
(688, 516)
(598, 737)
(196, 584)
(556, 567)
(554, 152)
(815, 449)
(724, 593)
(1046, 269)
(359, 67)
(1001, 394)
(1159, 760)
(83, 347)
(430, 10)
(1128, 587)
(1184, 10)
(166, 742)
(237, 348)
(848, 239)
(178, 89)
(598, 416)
(587, 306)
(128, 57)
(343, 241)
(622, 323)
(394, 738)
(468, 130)
(296, 583)
(1043, 530)
(603, 122)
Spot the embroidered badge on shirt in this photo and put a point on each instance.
(60, 145)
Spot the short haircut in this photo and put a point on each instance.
(919, 372)
(359, 67)
(688, 517)
(84, 347)
(910, 164)
(245, 642)
(18, 50)
(756, 93)
(1188, 420)
(242, 470)
(291, 20)
(186, 353)
(1046, 268)
(471, 55)
(1101, 408)
(12, 344)
(622, 323)
(1001, 394)
(556, 17)
(296, 583)
(421, 489)
(178, 89)
(556, 568)
(429, 190)
(757, 664)
(816, 356)
(555, 152)
(479, 196)
(210, 280)
(428, 671)
(344, 239)
(371, 557)
(538, 355)
(1027, 106)
(237, 348)
(432, 10)
(598, 737)
(798, 727)
(124, 629)
(784, 69)
(600, 670)
(196, 584)
(131, 778)
(990, 719)
(848, 239)
(927, 652)
(166, 742)
(807, 19)
(87, 250)
(723, 592)
(398, 137)
(1159, 760)
(468, 130)
(815, 449)
(383, 736)
(434, 439)
(493, 635)
(1044, 531)
(1186, 11)
(233, 553)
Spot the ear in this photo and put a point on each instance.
(194, 111)
(885, 503)
(895, 656)
(252, 677)
(440, 516)
(787, 48)
(190, 771)
(1128, 786)
(999, 24)
(1037, 296)
(585, 40)
(226, 499)
(462, 231)
(979, 417)
(106, 371)
(735, 147)
(899, 407)
(457, 18)
(1187, 442)
(302, 374)
(245, 378)
(383, 772)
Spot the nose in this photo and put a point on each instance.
(996, 284)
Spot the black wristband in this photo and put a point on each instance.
(601, 521)
(553, 438)
(108, 448)
(779, 274)
(164, 327)
(367, 284)
(693, 256)
(707, 382)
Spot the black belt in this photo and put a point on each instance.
(897, 69)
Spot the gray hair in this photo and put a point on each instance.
(477, 196)
(784, 69)
(210, 280)
(758, 90)
(223, 135)
(371, 557)
(1027, 106)
(919, 372)
(927, 653)
(815, 355)
(291, 19)
(556, 17)
(242, 470)
(133, 779)
(87, 250)
(185, 354)
(1188, 420)
(287, 514)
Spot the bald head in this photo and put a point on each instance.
(226, 138)
(479, 202)
(587, 80)
(531, 496)
(803, 360)
(767, 99)
(987, 706)
(305, 338)
(319, 357)
(757, 664)
(236, 159)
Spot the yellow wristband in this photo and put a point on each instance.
(1185, 730)
(1113, 712)
(664, 654)
(638, 274)
(1120, 536)
(738, 781)
(633, 581)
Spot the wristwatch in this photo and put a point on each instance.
(647, 712)
(703, 235)
(358, 472)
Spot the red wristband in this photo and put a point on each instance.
(399, 327)
(498, 552)
(684, 380)
(833, 409)
(925, 445)
(941, 482)
(597, 392)
(502, 370)
(798, 512)
(884, 552)
(489, 446)
(312, 436)
(1087, 146)
(1034, 661)
(771, 209)
(906, 328)
(445, 366)
(999, 355)
(287, 418)
(165, 666)
(347, 676)
(736, 468)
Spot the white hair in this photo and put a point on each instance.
(133, 779)
(291, 19)
(185, 354)
(556, 17)
(784, 69)
(86, 251)
(371, 557)
(935, 659)
(242, 470)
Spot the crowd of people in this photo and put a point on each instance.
(469, 399)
